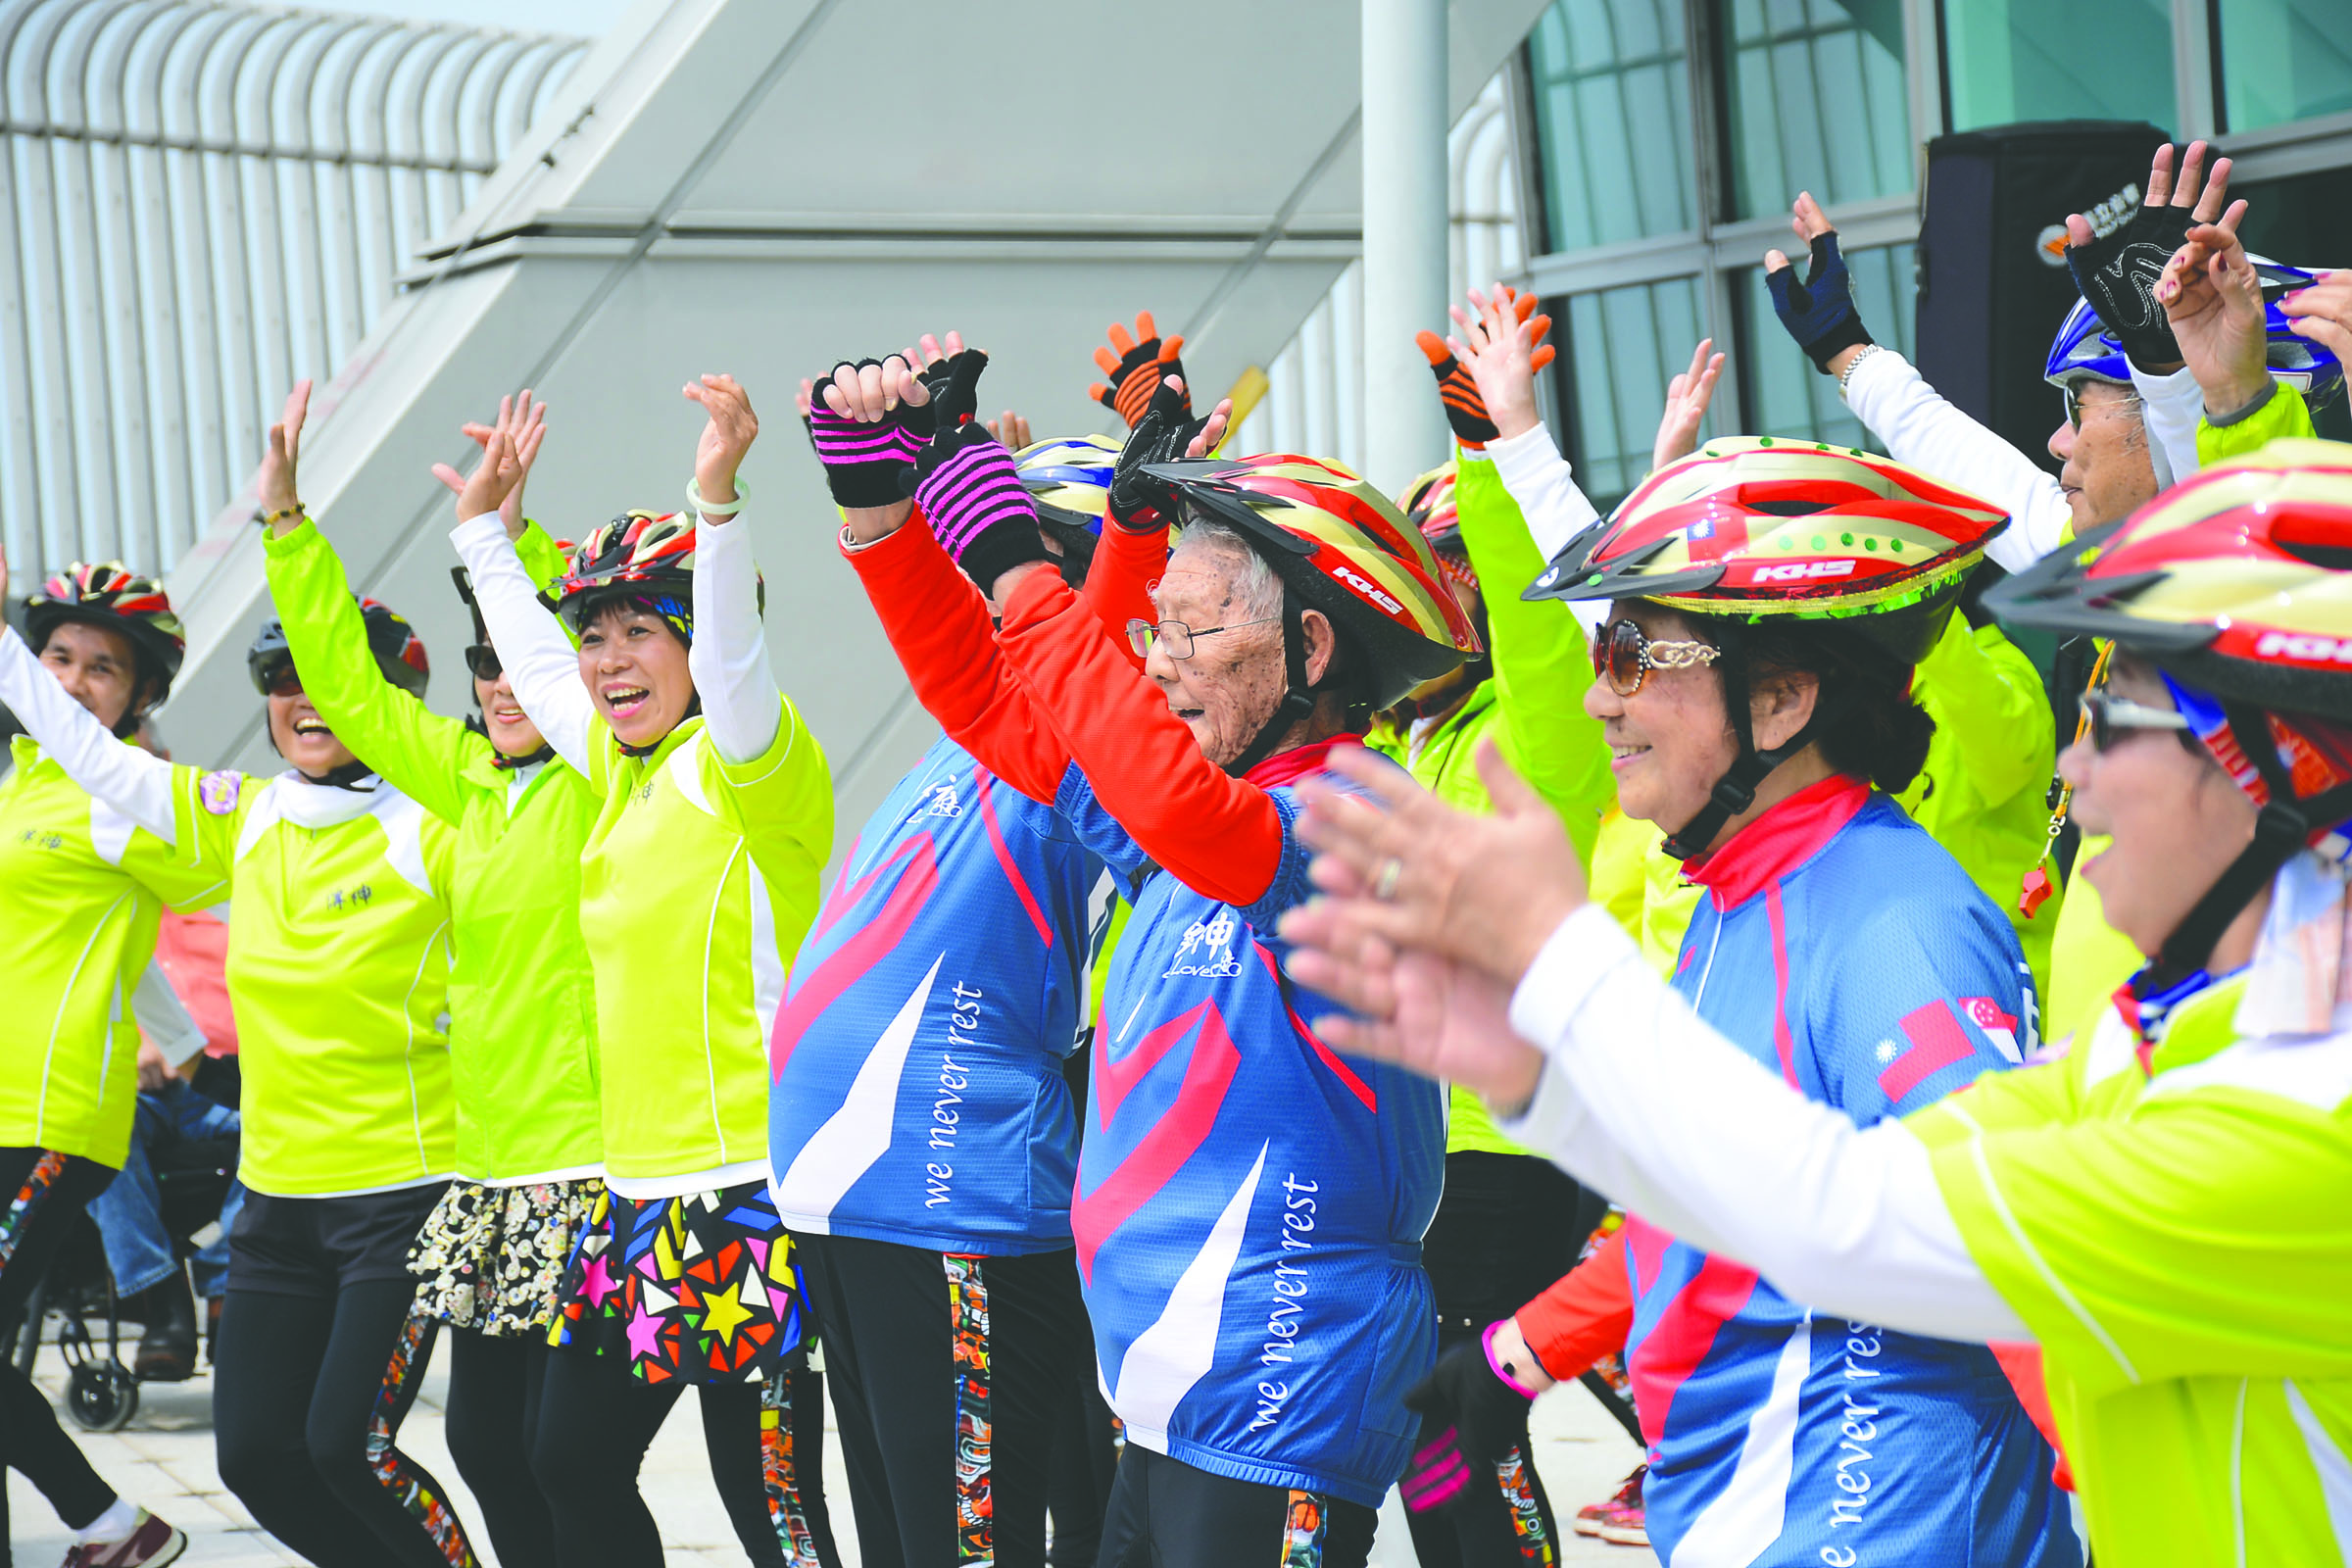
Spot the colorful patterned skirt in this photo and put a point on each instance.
(492, 1259)
(701, 1287)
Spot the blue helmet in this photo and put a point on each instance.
(2082, 350)
(1070, 479)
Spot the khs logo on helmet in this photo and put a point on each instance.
(1369, 589)
(2304, 648)
(1802, 571)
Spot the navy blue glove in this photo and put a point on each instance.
(1818, 313)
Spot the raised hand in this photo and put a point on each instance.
(524, 422)
(1466, 408)
(275, 484)
(1166, 432)
(1818, 312)
(727, 434)
(1137, 365)
(2212, 296)
(1686, 397)
(1498, 343)
(2118, 262)
(1010, 431)
(498, 473)
(2322, 313)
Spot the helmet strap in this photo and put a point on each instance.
(1297, 701)
(2283, 825)
(1736, 790)
(345, 776)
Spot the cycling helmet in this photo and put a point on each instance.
(1428, 504)
(2083, 350)
(1070, 479)
(1341, 548)
(642, 555)
(2237, 585)
(399, 651)
(107, 595)
(1751, 528)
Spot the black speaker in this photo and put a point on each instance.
(1992, 279)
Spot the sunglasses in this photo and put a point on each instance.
(2110, 718)
(279, 679)
(1627, 657)
(2075, 404)
(1142, 634)
(482, 659)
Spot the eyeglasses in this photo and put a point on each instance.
(1627, 657)
(1142, 634)
(482, 659)
(2075, 404)
(279, 679)
(2111, 718)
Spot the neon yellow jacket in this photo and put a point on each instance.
(1985, 790)
(84, 887)
(1532, 707)
(521, 1000)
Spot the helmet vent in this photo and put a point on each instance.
(1789, 508)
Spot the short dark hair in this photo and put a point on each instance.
(1873, 730)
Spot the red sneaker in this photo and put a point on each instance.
(1621, 1519)
(152, 1545)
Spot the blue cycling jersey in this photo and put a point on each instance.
(916, 1088)
(1844, 949)
(1250, 1203)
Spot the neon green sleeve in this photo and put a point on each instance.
(419, 752)
(1542, 664)
(543, 561)
(1984, 694)
(2285, 416)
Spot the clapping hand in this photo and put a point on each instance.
(524, 423)
(727, 434)
(2212, 296)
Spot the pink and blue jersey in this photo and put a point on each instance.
(1250, 1203)
(917, 1093)
(1846, 950)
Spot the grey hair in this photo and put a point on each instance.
(1255, 579)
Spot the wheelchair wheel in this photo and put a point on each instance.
(102, 1396)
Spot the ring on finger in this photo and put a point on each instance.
(1383, 884)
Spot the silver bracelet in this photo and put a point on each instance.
(1853, 364)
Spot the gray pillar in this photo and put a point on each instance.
(1405, 241)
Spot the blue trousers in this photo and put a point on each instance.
(131, 1212)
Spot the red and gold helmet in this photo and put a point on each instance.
(1755, 526)
(1346, 550)
(1428, 504)
(2237, 580)
(106, 594)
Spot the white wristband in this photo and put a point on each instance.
(696, 502)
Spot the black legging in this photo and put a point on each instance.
(41, 1196)
(492, 1422)
(596, 1420)
(308, 1395)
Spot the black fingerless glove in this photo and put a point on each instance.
(967, 485)
(2117, 273)
(1139, 503)
(1819, 312)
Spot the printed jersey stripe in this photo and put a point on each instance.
(2334, 1469)
(1936, 1042)
(1782, 1039)
(1012, 872)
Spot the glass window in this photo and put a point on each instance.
(1818, 101)
(1624, 345)
(1788, 396)
(1612, 100)
(2012, 60)
(2284, 60)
